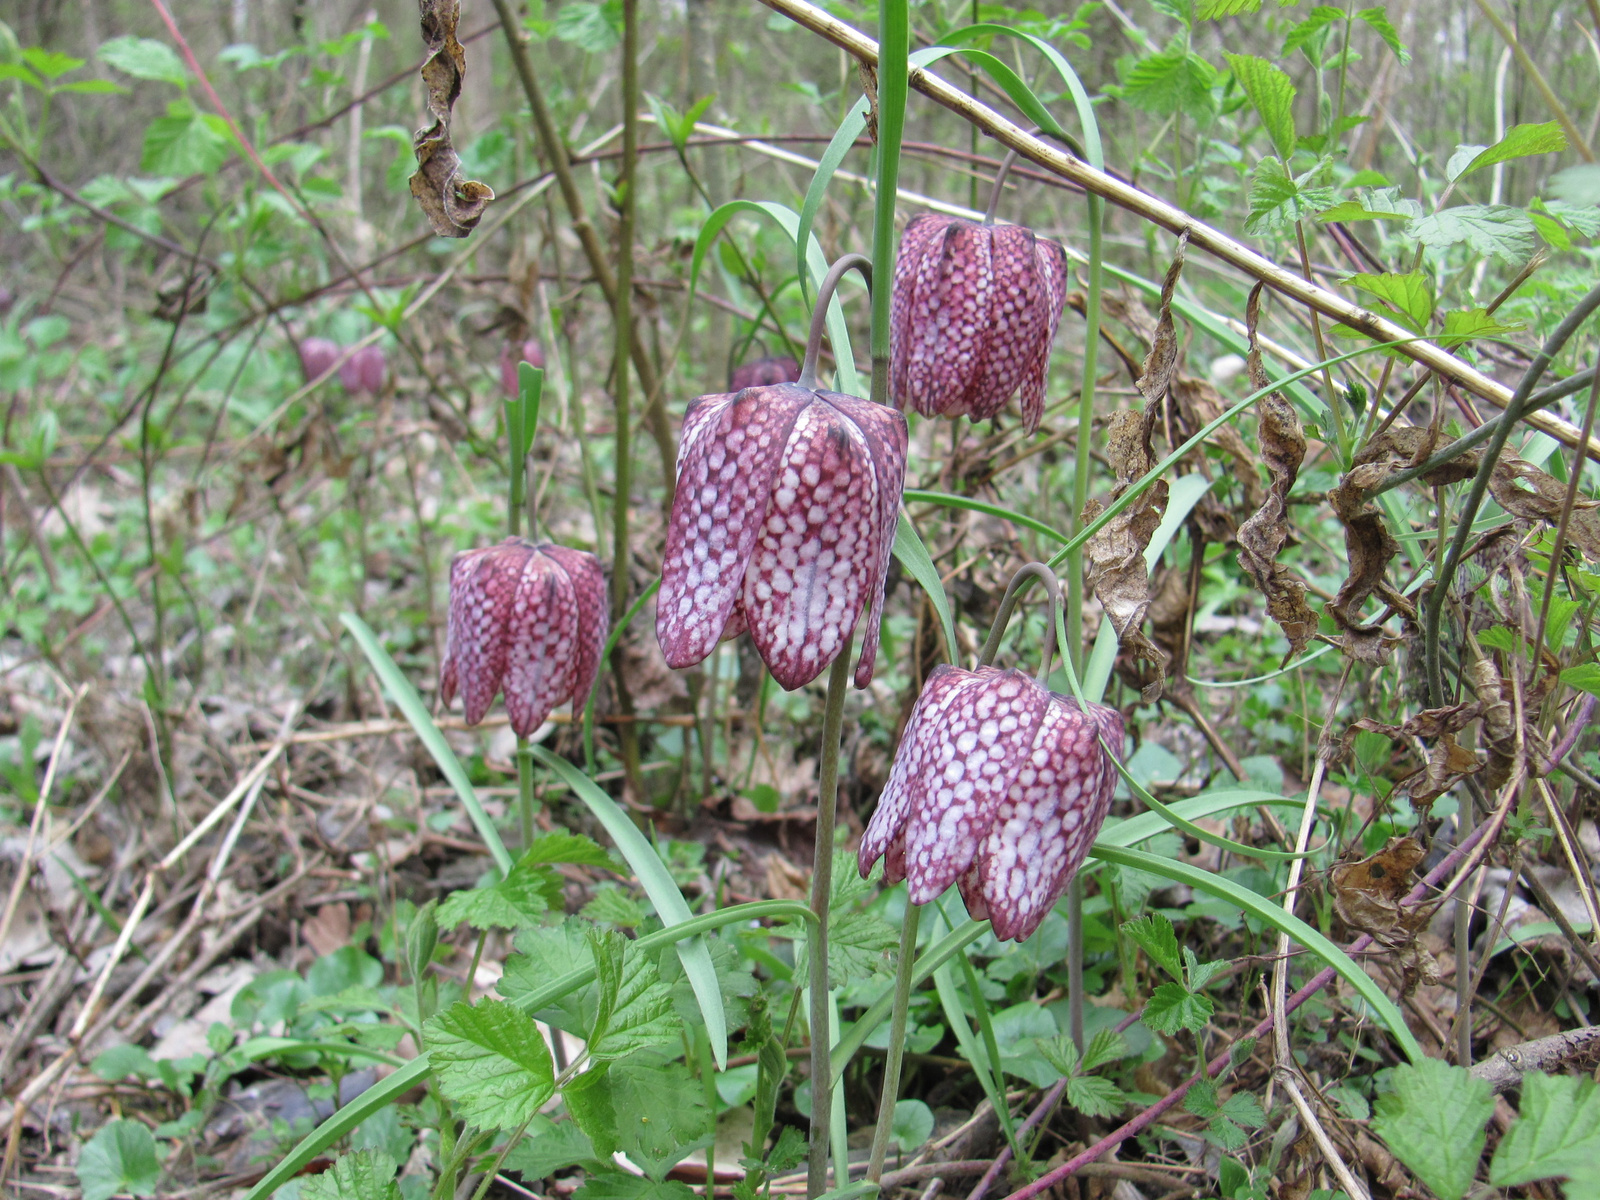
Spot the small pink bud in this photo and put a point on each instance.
(316, 356)
(783, 525)
(364, 371)
(529, 619)
(998, 785)
(531, 352)
(764, 371)
(973, 314)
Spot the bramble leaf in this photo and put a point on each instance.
(1433, 1122)
(635, 1007)
(1485, 228)
(1409, 295)
(144, 58)
(1558, 1133)
(1172, 1007)
(364, 1175)
(121, 1157)
(1155, 936)
(1095, 1097)
(1272, 95)
(491, 1059)
(1520, 141)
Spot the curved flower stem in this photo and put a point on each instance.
(819, 314)
(821, 895)
(999, 185)
(897, 1042)
(1025, 575)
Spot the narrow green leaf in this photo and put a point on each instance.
(947, 500)
(1433, 1122)
(410, 704)
(844, 138)
(491, 1060)
(1271, 94)
(612, 639)
(914, 557)
(663, 892)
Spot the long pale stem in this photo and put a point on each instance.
(821, 893)
(897, 1042)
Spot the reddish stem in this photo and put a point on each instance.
(1215, 1067)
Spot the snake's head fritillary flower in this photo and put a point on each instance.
(999, 785)
(783, 524)
(762, 372)
(317, 354)
(364, 371)
(973, 313)
(511, 355)
(526, 618)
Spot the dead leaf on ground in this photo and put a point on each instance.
(1367, 896)
(329, 930)
(1263, 536)
(452, 203)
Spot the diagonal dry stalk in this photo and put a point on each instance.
(1175, 220)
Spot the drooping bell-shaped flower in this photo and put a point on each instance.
(973, 314)
(364, 371)
(530, 619)
(760, 372)
(317, 354)
(999, 785)
(783, 524)
(511, 355)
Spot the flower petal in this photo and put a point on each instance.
(908, 777)
(591, 601)
(1047, 821)
(483, 586)
(1017, 321)
(731, 448)
(541, 639)
(902, 325)
(447, 680)
(887, 438)
(986, 733)
(807, 577)
(1052, 268)
(950, 316)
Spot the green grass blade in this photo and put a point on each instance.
(914, 557)
(1273, 915)
(411, 706)
(617, 631)
(663, 892)
(994, 510)
(271, 1047)
(843, 140)
(1178, 821)
(894, 86)
(1134, 830)
(1092, 152)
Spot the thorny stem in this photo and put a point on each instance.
(821, 894)
(897, 1042)
(819, 315)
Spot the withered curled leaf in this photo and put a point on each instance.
(1367, 895)
(1263, 536)
(1369, 548)
(453, 204)
(1448, 762)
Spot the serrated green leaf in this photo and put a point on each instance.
(52, 64)
(1155, 936)
(1585, 218)
(144, 58)
(1107, 1045)
(1200, 973)
(1215, 10)
(613, 906)
(1277, 201)
(614, 1185)
(634, 1008)
(547, 1147)
(788, 1152)
(594, 27)
(1169, 81)
(492, 1061)
(1496, 229)
(1520, 141)
(121, 1157)
(1095, 1097)
(1551, 230)
(1226, 1134)
(364, 1175)
(1585, 677)
(1202, 1100)
(1465, 324)
(1557, 1133)
(1410, 295)
(517, 901)
(559, 846)
(1379, 21)
(21, 74)
(1354, 210)
(661, 1113)
(184, 145)
(1172, 1007)
(1579, 185)
(1271, 94)
(1433, 1122)
(1242, 1108)
(1060, 1052)
(91, 87)
(549, 952)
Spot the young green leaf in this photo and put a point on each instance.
(144, 58)
(1271, 94)
(613, 906)
(1467, 324)
(635, 1007)
(548, 952)
(1172, 1007)
(1200, 973)
(1278, 200)
(1169, 81)
(1495, 229)
(490, 1058)
(1095, 1097)
(1155, 936)
(1433, 1122)
(613, 1185)
(547, 1147)
(1410, 296)
(1380, 24)
(364, 1175)
(1107, 1045)
(1060, 1052)
(121, 1157)
(1305, 32)
(185, 143)
(1558, 1133)
(1520, 141)
(661, 1113)
(1585, 677)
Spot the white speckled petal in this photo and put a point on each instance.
(887, 438)
(1017, 321)
(591, 602)
(806, 583)
(986, 733)
(949, 318)
(907, 777)
(1047, 821)
(483, 585)
(540, 640)
(727, 461)
(1051, 261)
(447, 680)
(908, 262)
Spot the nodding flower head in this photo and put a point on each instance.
(782, 524)
(530, 619)
(760, 372)
(316, 356)
(999, 785)
(364, 371)
(511, 355)
(973, 314)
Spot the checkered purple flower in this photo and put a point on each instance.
(782, 525)
(529, 619)
(974, 311)
(999, 785)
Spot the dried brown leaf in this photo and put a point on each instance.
(1369, 548)
(1161, 364)
(452, 203)
(1367, 896)
(1448, 763)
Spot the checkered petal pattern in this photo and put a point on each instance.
(782, 525)
(1000, 787)
(973, 314)
(526, 619)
